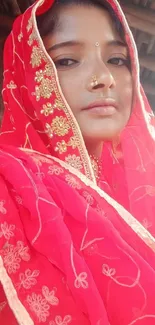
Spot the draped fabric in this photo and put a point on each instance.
(72, 251)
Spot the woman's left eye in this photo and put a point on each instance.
(118, 61)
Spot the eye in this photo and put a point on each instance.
(119, 61)
(62, 63)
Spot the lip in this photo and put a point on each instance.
(106, 107)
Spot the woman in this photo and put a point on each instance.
(77, 188)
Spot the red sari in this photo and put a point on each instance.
(69, 252)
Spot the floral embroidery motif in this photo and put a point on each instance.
(59, 321)
(74, 161)
(28, 279)
(88, 198)
(62, 146)
(107, 271)
(11, 85)
(73, 142)
(29, 26)
(20, 36)
(81, 281)
(72, 181)
(59, 126)
(55, 170)
(2, 209)
(49, 108)
(39, 306)
(6, 230)
(32, 37)
(44, 90)
(13, 255)
(50, 296)
(37, 56)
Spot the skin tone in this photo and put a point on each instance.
(72, 46)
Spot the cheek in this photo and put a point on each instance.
(69, 86)
(125, 90)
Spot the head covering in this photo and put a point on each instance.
(71, 253)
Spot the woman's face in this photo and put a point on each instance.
(91, 60)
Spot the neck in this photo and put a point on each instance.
(95, 150)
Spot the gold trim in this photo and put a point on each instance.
(133, 223)
(15, 304)
(72, 121)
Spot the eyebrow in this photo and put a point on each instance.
(77, 43)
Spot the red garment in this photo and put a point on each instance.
(69, 252)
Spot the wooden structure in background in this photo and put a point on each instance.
(141, 17)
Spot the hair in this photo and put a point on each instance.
(48, 21)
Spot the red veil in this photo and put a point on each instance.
(69, 252)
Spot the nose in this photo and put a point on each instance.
(101, 79)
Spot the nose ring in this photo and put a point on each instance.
(94, 81)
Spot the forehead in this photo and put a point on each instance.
(85, 22)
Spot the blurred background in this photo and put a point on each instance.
(141, 17)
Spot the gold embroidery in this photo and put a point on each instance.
(32, 37)
(59, 126)
(74, 161)
(73, 142)
(20, 36)
(29, 26)
(44, 90)
(11, 85)
(49, 108)
(37, 56)
(62, 146)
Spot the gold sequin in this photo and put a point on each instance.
(37, 56)
(61, 147)
(44, 90)
(47, 109)
(60, 126)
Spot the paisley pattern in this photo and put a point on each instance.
(72, 250)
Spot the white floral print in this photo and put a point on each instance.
(39, 306)
(55, 170)
(72, 182)
(6, 230)
(88, 197)
(50, 296)
(74, 161)
(13, 255)
(2, 208)
(81, 281)
(28, 279)
(61, 321)
(106, 270)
